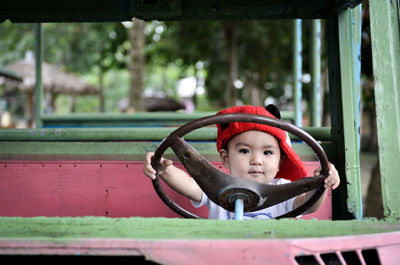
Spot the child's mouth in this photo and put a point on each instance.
(255, 172)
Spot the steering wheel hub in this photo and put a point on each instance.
(229, 196)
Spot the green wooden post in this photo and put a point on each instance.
(315, 106)
(350, 40)
(385, 24)
(297, 72)
(39, 84)
(343, 33)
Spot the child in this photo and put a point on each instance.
(256, 152)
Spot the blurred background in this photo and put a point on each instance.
(189, 67)
(118, 66)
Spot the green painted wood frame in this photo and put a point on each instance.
(343, 41)
(385, 25)
(343, 37)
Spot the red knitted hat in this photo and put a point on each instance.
(292, 168)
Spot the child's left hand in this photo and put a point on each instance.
(332, 180)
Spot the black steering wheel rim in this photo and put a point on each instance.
(240, 117)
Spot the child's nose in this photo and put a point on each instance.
(255, 159)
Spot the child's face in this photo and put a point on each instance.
(253, 155)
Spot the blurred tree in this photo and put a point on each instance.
(77, 47)
(136, 64)
(85, 48)
(265, 59)
(16, 39)
(232, 61)
(247, 60)
(255, 53)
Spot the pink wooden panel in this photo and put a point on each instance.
(325, 212)
(206, 251)
(90, 188)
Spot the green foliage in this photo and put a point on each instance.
(264, 53)
(15, 40)
(163, 78)
(79, 47)
(89, 49)
(204, 104)
(84, 46)
(117, 84)
(99, 51)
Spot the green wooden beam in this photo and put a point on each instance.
(103, 134)
(137, 116)
(115, 151)
(126, 134)
(126, 144)
(61, 229)
(120, 119)
(297, 72)
(344, 110)
(350, 41)
(90, 151)
(138, 119)
(315, 101)
(385, 34)
(339, 196)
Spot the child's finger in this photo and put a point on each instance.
(335, 185)
(331, 185)
(149, 155)
(148, 170)
(328, 179)
(149, 173)
(317, 172)
(166, 162)
(151, 176)
(331, 182)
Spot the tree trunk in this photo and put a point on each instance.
(53, 98)
(136, 65)
(101, 92)
(232, 62)
(29, 109)
(72, 103)
(255, 96)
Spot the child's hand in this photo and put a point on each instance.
(149, 171)
(333, 179)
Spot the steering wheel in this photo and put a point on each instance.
(224, 189)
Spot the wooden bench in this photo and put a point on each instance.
(59, 172)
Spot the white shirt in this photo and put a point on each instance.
(217, 212)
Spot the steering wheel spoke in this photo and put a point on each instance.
(287, 191)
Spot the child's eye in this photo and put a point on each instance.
(267, 152)
(244, 151)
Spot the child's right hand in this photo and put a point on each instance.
(149, 171)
